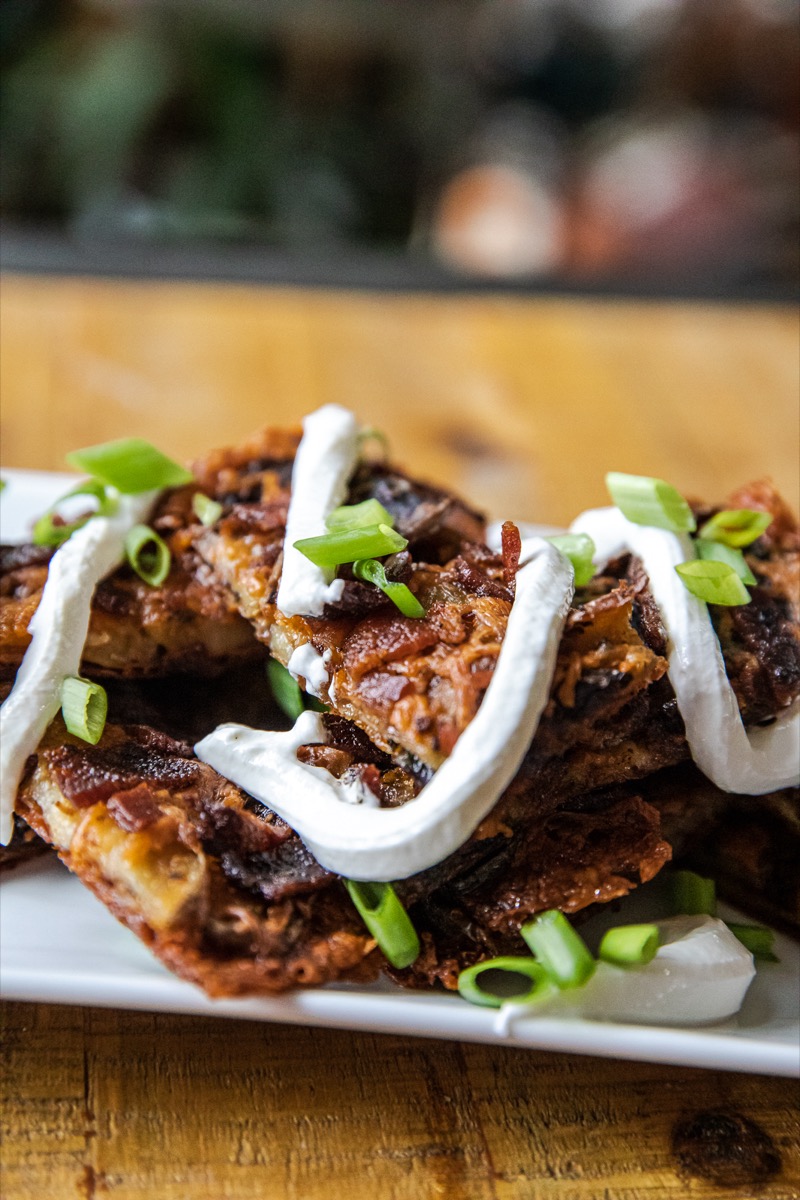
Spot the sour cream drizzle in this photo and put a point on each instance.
(59, 627)
(323, 465)
(737, 760)
(393, 843)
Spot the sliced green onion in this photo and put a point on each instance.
(579, 549)
(348, 545)
(148, 554)
(373, 435)
(561, 951)
(648, 501)
(129, 465)
(358, 516)
(629, 945)
(387, 920)
(497, 980)
(3, 484)
(84, 706)
(710, 551)
(207, 511)
(285, 689)
(48, 532)
(736, 527)
(714, 582)
(372, 571)
(758, 940)
(693, 895)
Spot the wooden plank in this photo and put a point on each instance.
(522, 404)
(140, 1105)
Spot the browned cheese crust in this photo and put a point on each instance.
(188, 624)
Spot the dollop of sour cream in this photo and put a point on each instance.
(59, 628)
(393, 843)
(753, 762)
(325, 460)
(307, 663)
(701, 973)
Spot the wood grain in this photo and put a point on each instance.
(523, 405)
(149, 1106)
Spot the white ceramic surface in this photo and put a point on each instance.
(60, 945)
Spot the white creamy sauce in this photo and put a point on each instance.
(737, 760)
(59, 627)
(701, 973)
(308, 664)
(325, 460)
(380, 844)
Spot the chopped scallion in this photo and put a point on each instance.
(579, 549)
(648, 501)
(358, 516)
(559, 948)
(758, 940)
(148, 554)
(130, 465)
(207, 511)
(347, 545)
(736, 527)
(710, 551)
(374, 435)
(712, 581)
(84, 706)
(285, 689)
(629, 945)
(50, 530)
(496, 981)
(693, 895)
(400, 594)
(387, 920)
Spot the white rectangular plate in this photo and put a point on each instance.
(58, 944)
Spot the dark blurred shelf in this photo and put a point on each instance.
(40, 252)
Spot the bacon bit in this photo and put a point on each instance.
(511, 549)
(383, 639)
(327, 757)
(134, 809)
(475, 581)
(381, 689)
(447, 734)
(371, 778)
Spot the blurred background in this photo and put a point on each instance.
(569, 142)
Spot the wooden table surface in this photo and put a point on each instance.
(523, 404)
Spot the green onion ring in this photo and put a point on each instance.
(511, 968)
(357, 516)
(347, 545)
(758, 940)
(709, 551)
(714, 582)
(148, 554)
(561, 951)
(130, 465)
(371, 571)
(693, 895)
(207, 511)
(736, 527)
(387, 920)
(84, 706)
(579, 549)
(629, 945)
(648, 501)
